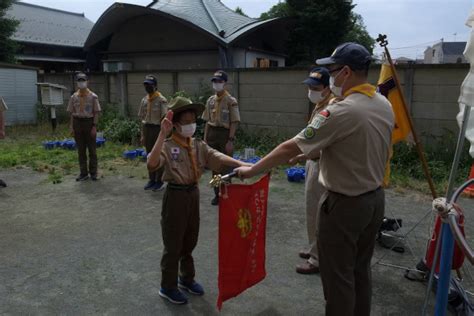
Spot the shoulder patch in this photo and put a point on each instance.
(320, 119)
(308, 132)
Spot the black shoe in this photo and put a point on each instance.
(94, 177)
(3, 184)
(215, 200)
(159, 186)
(82, 177)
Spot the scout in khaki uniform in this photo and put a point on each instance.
(319, 94)
(222, 116)
(152, 109)
(352, 138)
(84, 108)
(184, 159)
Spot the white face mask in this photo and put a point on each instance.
(187, 130)
(82, 84)
(315, 96)
(218, 87)
(337, 91)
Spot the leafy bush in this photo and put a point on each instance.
(117, 128)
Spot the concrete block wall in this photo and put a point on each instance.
(275, 98)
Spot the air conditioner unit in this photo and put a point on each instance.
(116, 66)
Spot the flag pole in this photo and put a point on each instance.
(382, 39)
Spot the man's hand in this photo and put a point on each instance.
(229, 147)
(244, 172)
(167, 123)
(297, 159)
(142, 140)
(93, 131)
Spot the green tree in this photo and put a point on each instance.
(317, 27)
(8, 47)
(240, 11)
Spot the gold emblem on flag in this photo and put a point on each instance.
(245, 222)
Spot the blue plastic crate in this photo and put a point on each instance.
(49, 145)
(295, 174)
(100, 142)
(130, 154)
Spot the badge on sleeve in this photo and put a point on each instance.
(174, 153)
(308, 132)
(320, 119)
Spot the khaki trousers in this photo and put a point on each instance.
(347, 231)
(180, 230)
(313, 193)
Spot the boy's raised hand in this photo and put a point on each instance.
(167, 123)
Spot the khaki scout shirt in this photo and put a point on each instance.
(354, 138)
(221, 114)
(91, 105)
(158, 110)
(178, 166)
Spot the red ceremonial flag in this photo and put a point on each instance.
(242, 228)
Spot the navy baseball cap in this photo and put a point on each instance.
(317, 76)
(351, 54)
(81, 76)
(150, 79)
(220, 75)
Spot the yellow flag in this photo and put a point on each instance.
(386, 86)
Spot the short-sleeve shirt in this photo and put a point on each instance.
(90, 107)
(221, 114)
(177, 164)
(353, 137)
(157, 110)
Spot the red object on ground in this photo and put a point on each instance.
(458, 256)
(470, 189)
(242, 229)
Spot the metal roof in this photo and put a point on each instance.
(48, 26)
(453, 48)
(52, 59)
(208, 16)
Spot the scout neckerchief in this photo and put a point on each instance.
(365, 88)
(218, 102)
(187, 145)
(150, 99)
(320, 105)
(82, 98)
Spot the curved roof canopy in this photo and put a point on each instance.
(211, 17)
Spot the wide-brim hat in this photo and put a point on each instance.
(180, 104)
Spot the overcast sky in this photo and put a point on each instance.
(411, 25)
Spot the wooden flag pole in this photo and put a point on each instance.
(382, 39)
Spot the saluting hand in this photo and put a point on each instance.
(167, 123)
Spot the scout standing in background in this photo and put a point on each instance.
(85, 109)
(319, 94)
(152, 109)
(3, 108)
(183, 159)
(222, 116)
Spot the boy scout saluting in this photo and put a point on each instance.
(184, 159)
(85, 109)
(152, 109)
(222, 116)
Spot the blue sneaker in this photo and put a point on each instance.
(192, 287)
(150, 185)
(159, 186)
(174, 296)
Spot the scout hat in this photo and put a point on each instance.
(317, 76)
(220, 75)
(150, 79)
(353, 55)
(81, 76)
(180, 104)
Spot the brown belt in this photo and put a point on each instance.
(182, 187)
